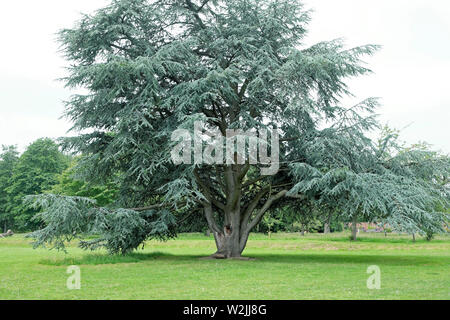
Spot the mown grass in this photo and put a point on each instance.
(286, 266)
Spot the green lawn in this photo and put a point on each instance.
(287, 266)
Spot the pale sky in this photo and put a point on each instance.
(411, 71)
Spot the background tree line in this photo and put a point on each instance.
(41, 168)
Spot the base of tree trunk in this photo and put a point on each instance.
(228, 245)
(222, 257)
(218, 256)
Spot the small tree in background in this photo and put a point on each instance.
(8, 159)
(69, 185)
(36, 171)
(304, 213)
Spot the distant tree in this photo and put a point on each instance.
(8, 159)
(271, 221)
(71, 185)
(36, 171)
(304, 213)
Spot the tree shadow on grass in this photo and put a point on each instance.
(341, 259)
(104, 258)
(326, 258)
(383, 240)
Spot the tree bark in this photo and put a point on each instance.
(303, 230)
(354, 227)
(327, 225)
(230, 242)
(228, 245)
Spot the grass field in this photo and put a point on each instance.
(287, 266)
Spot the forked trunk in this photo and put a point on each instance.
(231, 240)
(228, 245)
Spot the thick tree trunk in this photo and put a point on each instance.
(303, 230)
(230, 241)
(228, 244)
(354, 228)
(414, 237)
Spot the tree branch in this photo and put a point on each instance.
(263, 210)
(251, 207)
(210, 219)
(207, 191)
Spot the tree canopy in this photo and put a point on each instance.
(153, 67)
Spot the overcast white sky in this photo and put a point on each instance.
(411, 71)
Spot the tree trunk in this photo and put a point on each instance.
(327, 225)
(303, 230)
(231, 240)
(414, 237)
(354, 227)
(228, 245)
